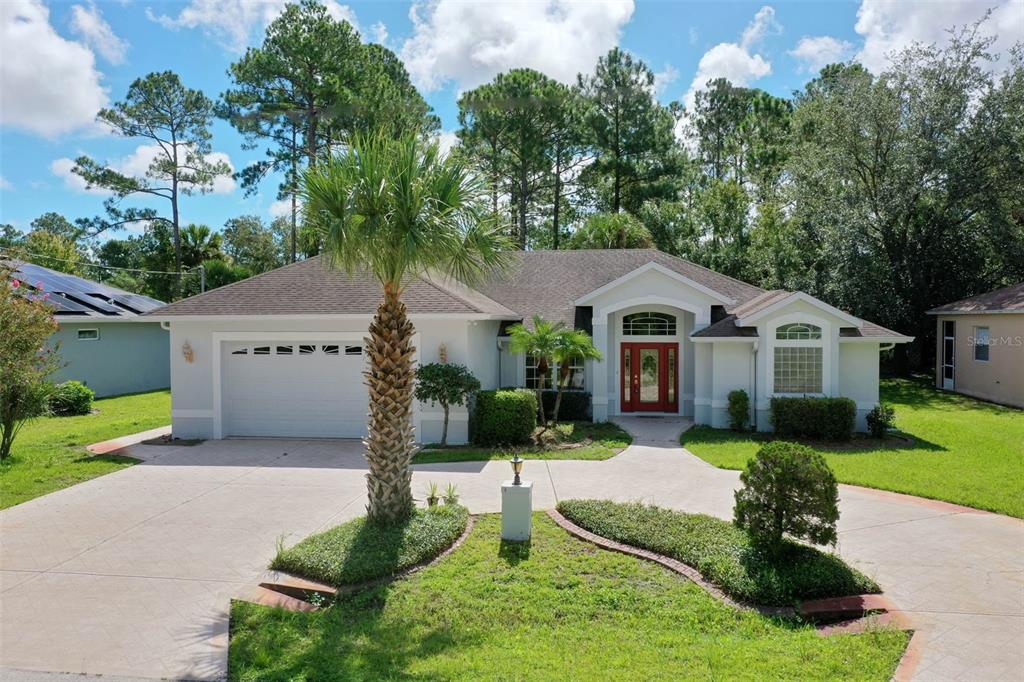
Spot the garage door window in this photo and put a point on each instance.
(307, 350)
(353, 350)
(330, 350)
(261, 350)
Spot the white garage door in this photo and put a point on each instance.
(312, 389)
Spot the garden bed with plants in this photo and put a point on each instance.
(723, 553)
(566, 440)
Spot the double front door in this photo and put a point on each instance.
(650, 377)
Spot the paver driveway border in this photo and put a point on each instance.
(131, 574)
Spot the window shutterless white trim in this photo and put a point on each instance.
(586, 298)
(825, 343)
(979, 332)
(87, 337)
(948, 350)
(219, 338)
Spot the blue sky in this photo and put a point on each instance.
(61, 61)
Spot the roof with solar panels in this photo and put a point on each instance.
(73, 297)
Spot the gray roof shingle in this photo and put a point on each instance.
(1009, 298)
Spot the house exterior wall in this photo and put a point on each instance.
(128, 357)
(194, 408)
(1001, 378)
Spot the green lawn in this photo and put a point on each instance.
(568, 440)
(49, 453)
(556, 608)
(963, 450)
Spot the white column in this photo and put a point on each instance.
(599, 390)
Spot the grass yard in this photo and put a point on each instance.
(555, 608)
(49, 453)
(963, 450)
(568, 440)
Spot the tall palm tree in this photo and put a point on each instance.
(540, 342)
(571, 344)
(397, 209)
(199, 243)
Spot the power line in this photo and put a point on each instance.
(16, 254)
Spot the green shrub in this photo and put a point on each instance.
(359, 550)
(723, 553)
(826, 418)
(739, 410)
(504, 417)
(447, 385)
(71, 398)
(880, 419)
(787, 489)
(575, 406)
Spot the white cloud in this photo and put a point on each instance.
(232, 22)
(818, 51)
(380, 32)
(888, 26)
(50, 84)
(665, 78)
(736, 61)
(471, 42)
(88, 23)
(282, 208)
(135, 165)
(447, 140)
(5, 184)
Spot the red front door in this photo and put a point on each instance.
(650, 377)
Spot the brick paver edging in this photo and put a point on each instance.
(300, 587)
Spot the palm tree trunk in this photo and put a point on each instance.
(560, 386)
(389, 440)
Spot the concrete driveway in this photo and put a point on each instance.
(131, 574)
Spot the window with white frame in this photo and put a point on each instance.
(576, 374)
(798, 359)
(982, 340)
(88, 334)
(649, 324)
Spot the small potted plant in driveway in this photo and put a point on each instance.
(433, 494)
(451, 494)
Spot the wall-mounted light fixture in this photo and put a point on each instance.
(442, 354)
(186, 352)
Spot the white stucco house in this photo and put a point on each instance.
(281, 354)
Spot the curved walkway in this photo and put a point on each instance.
(131, 574)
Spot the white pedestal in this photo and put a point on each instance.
(516, 510)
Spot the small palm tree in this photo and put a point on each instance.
(397, 208)
(571, 344)
(540, 342)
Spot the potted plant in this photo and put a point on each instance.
(451, 495)
(433, 494)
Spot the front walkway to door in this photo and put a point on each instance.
(131, 574)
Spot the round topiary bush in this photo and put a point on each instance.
(71, 398)
(505, 417)
(788, 489)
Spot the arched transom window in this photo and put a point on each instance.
(649, 324)
(798, 359)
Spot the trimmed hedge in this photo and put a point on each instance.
(739, 410)
(71, 398)
(824, 418)
(358, 551)
(504, 417)
(723, 553)
(575, 404)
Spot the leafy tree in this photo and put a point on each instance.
(198, 244)
(780, 255)
(219, 272)
(631, 132)
(251, 244)
(26, 362)
(723, 214)
(176, 120)
(395, 208)
(571, 345)
(445, 385)
(719, 112)
(788, 488)
(52, 251)
(611, 231)
(55, 223)
(912, 180)
(672, 224)
(540, 340)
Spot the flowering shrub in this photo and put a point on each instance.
(26, 362)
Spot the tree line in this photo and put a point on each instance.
(883, 194)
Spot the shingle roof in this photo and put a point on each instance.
(1009, 298)
(760, 302)
(72, 297)
(726, 328)
(310, 287)
(547, 283)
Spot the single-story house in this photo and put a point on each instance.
(103, 340)
(281, 354)
(980, 346)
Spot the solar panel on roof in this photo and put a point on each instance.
(84, 296)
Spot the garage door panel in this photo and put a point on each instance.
(312, 394)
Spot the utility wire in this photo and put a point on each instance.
(16, 254)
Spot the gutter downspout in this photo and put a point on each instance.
(753, 419)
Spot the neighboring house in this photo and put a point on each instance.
(980, 346)
(102, 340)
(281, 354)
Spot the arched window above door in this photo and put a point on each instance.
(649, 324)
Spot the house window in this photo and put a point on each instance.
(798, 359)
(798, 332)
(982, 339)
(88, 334)
(649, 324)
(533, 377)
